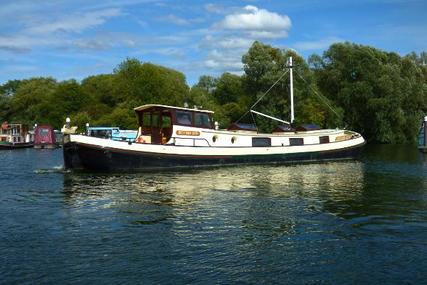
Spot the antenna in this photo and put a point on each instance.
(291, 79)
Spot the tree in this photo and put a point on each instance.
(229, 88)
(150, 83)
(27, 104)
(68, 99)
(265, 67)
(382, 94)
(207, 83)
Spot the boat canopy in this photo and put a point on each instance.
(242, 127)
(283, 128)
(149, 106)
(307, 127)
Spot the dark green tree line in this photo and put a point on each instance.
(380, 94)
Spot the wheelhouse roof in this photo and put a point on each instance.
(148, 106)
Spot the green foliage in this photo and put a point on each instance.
(28, 102)
(265, 66)
(207, 83)
(383, 95)
(380, 94)
(229, 88)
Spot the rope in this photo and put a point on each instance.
(265, 93)
(253, 120)
(325, 101)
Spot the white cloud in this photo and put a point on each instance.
(174, 19)
(23, 43)
(38, 31)
(252, 18)
(317, 44)
(226, 42)
(218, 60)
(74, 23)
(231, 37)
(214, 8)
(180, 21)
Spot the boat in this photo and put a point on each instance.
(422, 136)
(15, 136)
(45, 137)
(171, 137)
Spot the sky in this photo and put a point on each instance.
(68, 39)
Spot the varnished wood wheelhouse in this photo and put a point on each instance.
(156, 122)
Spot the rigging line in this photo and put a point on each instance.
(271, 87)
(280, 78)
(320, 96)
(253, 119)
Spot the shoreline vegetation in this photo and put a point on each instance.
(379, 94)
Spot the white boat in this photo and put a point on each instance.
(175, 137)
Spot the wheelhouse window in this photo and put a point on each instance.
(183, 118)
(146, 119)
(202, 120)
(166, 120)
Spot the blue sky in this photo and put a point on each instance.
(77, 38)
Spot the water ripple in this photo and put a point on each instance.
(303, 224)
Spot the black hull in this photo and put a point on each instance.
(83, 157)
(15, 146)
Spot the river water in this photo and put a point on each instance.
(354, 222)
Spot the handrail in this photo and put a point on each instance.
(194, 140)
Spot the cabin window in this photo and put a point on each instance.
(183, 118)
(166, 121)
(44, 132)
(202, 120)
(324, 139)
(146, 119)
(99, 134)
(296, 141)
(261, 142)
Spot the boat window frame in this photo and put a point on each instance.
(296, 141)
(184, 112)
(205, 126)
(324, 139)
(261, 142)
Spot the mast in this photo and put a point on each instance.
(291, 79)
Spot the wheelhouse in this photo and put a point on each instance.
(156, 122)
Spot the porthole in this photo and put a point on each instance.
(233, 140)
(215, 138)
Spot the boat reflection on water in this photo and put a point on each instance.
(228, 218)
(284, 191)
